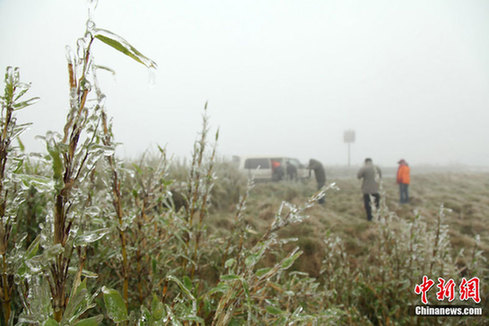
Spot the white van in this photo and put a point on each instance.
(273, 168)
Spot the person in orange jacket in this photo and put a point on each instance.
(403, 180)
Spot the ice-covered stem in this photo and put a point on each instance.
(73, 159)
(196, 194)
(238, 292)
(117, 203)
(247, 287)
(82, 250)
(145, 201)
(70, 159)
(239, 226)
(294, 213)
(73, 128)
(208, 185)
(438, 237)
(10, 102)
(196, 169)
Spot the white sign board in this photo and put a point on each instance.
(349, 136)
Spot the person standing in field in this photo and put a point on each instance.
(277, 171)
(291, 171)
(370, 175)
(403, 179)
(320, 175)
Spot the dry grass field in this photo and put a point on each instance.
(465, 195)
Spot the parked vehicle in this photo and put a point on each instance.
(273, 168)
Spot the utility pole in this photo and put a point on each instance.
(349, 138)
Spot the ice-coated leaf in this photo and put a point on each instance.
(287, 262)
(229, 277)
(114, 304)
(274, 310)
(196, 319)
(52, 251)
(157, 308)
(90, 236)
(33, 248)
(78, 304)
(40, 183)
(89, 274)
(145, 315)
(187, 282)
(251, 260)
(21, 89)
(19, 129)
(92, 321)
(112, 71)
(230, 262)
(221, 287)
(50, 322)
(123, 46)
(181, 285)
(21, 145)
(57, 162)
(21, 105)
(246, 286)
(250, 230)
(30, 253)
(262, 271)
(85, 273)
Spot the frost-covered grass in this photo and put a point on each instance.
(464, 224)
(463, 194)
(88, 239)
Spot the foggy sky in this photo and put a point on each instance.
(281, 77)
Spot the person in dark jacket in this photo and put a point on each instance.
(291, 171)
(320, 175)
(370, 175)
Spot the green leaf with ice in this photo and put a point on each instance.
(116, 308)
(123, 46)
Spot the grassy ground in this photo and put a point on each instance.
(465, 194)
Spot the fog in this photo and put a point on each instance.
(280, 77)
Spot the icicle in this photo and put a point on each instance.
(151, 77)
(92, 5)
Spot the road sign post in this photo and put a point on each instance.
(349, 138)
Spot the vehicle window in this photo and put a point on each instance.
(295, 162)
(254, 163)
